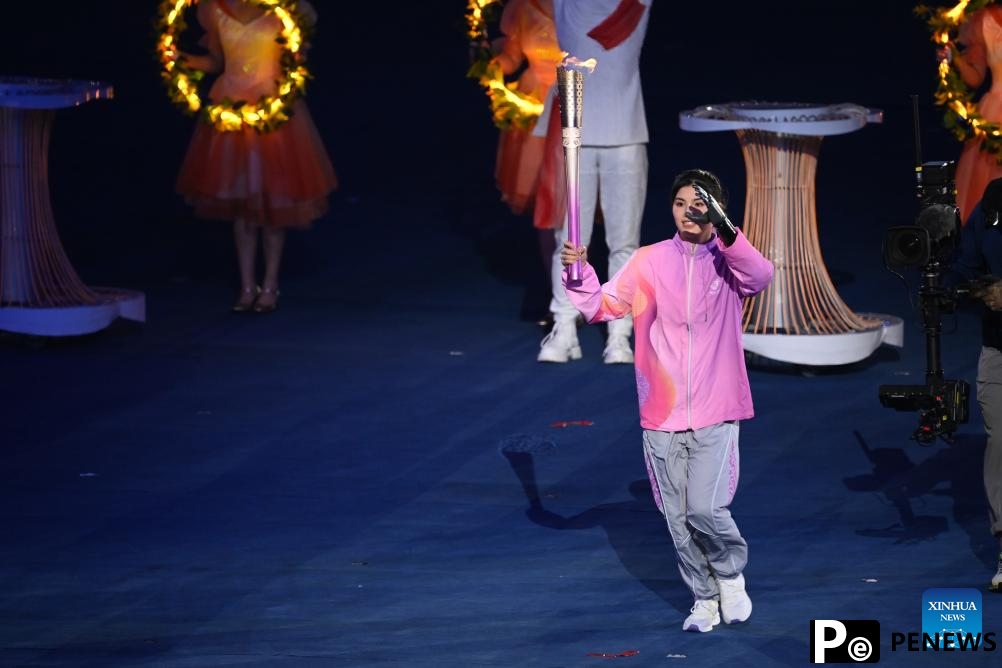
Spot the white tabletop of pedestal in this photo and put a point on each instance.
(800, 318)
(40, 292)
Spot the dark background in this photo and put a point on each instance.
(402, 124)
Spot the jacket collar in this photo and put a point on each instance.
(685, 247)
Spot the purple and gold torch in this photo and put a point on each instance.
(570, 90)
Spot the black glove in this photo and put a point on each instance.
(714, 215)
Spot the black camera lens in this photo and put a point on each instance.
(906, 247)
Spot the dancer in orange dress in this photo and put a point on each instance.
(530, 37)
(264, 182)
(981, 37)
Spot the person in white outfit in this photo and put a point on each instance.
(613, 158)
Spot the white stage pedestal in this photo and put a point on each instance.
(40, 292)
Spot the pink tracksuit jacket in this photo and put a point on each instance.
(686, 304)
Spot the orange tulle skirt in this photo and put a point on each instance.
(551, 193)
(976, 168)
(975, 171)
(519, 158)
(276, 179)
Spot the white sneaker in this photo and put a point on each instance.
(735, 606)
(705, 615)
(996, 583)
(561, 344)
(617, 350)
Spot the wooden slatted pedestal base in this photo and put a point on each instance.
(800, 317)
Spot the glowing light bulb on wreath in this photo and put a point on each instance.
(957, 12)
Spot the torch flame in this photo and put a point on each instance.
(571, 62)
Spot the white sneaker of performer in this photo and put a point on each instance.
(561, 344)
(617, 350)
(735, 606)
(705, 615)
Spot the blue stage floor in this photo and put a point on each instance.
(369, 477)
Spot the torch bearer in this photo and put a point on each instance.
(570, 90)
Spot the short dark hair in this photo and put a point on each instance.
(708, 180)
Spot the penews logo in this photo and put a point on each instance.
(949, 616)
(845, 641)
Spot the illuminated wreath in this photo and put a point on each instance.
(509, 107)
(270, 111)
(961, 113)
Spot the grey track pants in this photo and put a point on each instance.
(990, 399)
(694, 475)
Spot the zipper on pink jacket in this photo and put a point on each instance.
(688, 326)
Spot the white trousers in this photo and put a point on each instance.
(620, 174)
